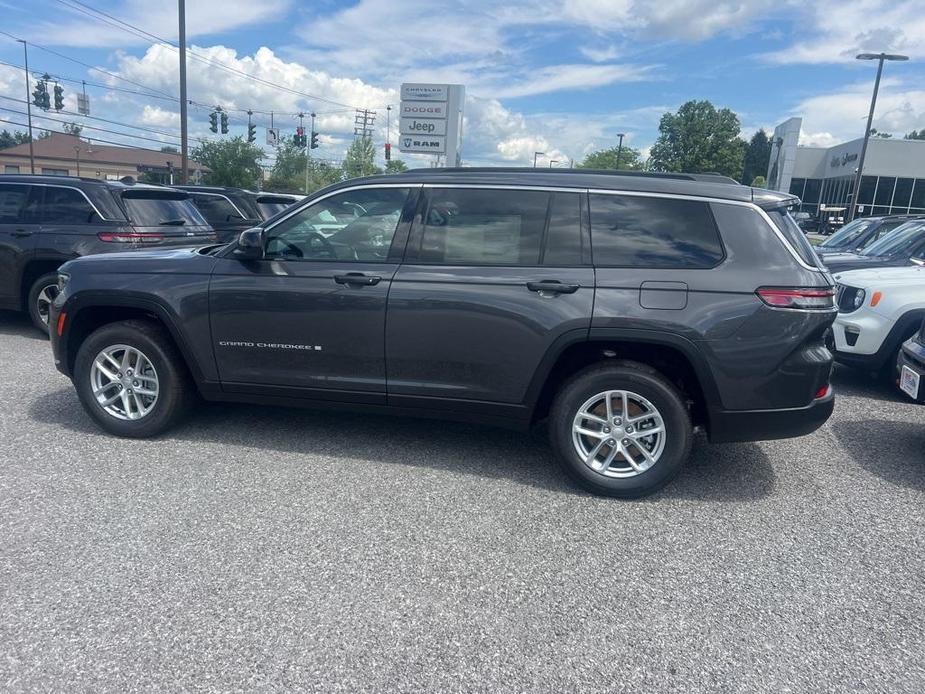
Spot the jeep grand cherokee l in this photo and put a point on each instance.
(624, 309)
(47, 220)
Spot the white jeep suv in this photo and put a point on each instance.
(878, 310)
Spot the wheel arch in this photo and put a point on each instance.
(35, 268)
(673, 355)
(93, 312)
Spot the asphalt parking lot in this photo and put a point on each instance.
(259, 549)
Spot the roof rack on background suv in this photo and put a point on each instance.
(702, 177)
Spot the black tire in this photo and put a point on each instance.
(644, 381)
(39, 315)
(175, 389)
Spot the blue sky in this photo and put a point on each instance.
(558, 77)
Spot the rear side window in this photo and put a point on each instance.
(484, 227)
(216, 209)
(65, 206)
(794, 235)
(563, 235)
(13, 201)
(653, 232)
(147, 209)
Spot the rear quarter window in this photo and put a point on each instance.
(653, 232)
(794, 235)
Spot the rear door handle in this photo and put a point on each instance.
(552, 287)
(20, 233)
(358, 278)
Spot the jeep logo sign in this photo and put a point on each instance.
(422, 126)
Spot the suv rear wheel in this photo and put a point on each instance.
(42, 292)
(621, 429)
(131, 379)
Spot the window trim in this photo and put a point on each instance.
(719, 236)
(56, 185)
(399, 238)
(218, 195)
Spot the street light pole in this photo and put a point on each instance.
(535, 154)
(25, 52)
(553, 161)
(184, 144)
(77, 156)
(880, 57)
(620, 148)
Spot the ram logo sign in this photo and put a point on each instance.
(429, 145)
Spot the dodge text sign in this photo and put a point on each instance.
(422, 126)
(423, 109)
(434, 144)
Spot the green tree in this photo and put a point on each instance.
(170, 149)
(288, 173)
(916, 135)
(883, 136)
(11, 139)
(700, 138)
(757, 157)
(395, 166)
(234, 162)
(73, 129)
(629, 159)
(759, 182)
(360, 159)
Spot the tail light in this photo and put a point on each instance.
(129, 237)
(798, 297)
(822, 392)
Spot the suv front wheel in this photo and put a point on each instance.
(621, 429)
(131, 379)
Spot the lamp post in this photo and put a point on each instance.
(880, 57)
(620, 148)
(77, 157)
(553, 161)
(535, 154)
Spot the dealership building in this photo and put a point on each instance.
(823, 177)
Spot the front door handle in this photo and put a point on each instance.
(20, 233)
(358, 278)
(552, 287)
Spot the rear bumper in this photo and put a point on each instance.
(727, 426)
(912, 355)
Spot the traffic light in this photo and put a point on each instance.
(40, 95)
(224, 123)
(59, 97)
(213, 121)
(251, 133)
(388, 151)
(299, 139)
(314, 140)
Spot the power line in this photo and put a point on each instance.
(95, 139)
(141, 33)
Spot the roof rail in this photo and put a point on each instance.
(703, 177)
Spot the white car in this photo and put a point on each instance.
(878, 310)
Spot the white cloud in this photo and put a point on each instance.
(203, 18)
(836, 31)
(155, 115)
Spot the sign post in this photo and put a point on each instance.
(430, 120)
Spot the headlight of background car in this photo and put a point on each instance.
(63, 279)
(859, 299)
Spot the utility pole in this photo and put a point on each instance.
(308, 151)
(184, 144)
(77, 155)
(363, 123)
(620, 148)
(25, 51)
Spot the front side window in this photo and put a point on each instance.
(483, 227)
(357, 225)
(847, 235)
(154, 208)
(13, 201)
(653, 232)
(65, 206)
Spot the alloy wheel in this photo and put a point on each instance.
(618, 433)
(44, 300)
(124, 382)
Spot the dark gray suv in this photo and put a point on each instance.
(626, 310)
(48, 220)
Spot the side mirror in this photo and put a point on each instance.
(251, 243)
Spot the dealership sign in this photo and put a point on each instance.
(431, 119)
(422, 126)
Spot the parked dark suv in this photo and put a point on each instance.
(227, 210)
(47, 220)
(625, 309)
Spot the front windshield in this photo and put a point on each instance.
(898, 241)
(162, 210)
(847, 235)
